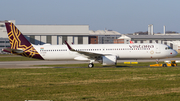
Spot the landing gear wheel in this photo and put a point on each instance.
(90, 65)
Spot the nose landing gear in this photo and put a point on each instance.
(90, 65)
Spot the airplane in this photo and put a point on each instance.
(106, 54)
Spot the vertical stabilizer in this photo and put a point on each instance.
(19, 42)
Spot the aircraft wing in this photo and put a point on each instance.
(89, 54)
(9, 50)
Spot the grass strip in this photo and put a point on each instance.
(79, 84)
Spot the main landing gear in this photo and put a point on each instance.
(90, 65)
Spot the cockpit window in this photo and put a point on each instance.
(168, 48)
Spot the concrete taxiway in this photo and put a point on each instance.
(30, 64)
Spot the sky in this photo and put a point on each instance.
(123, 16)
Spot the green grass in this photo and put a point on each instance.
(114, 84)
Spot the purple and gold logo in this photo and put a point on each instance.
(18, 41)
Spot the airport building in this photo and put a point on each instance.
(58, 34)
(55, 34)
(52, 34)
(103, 36)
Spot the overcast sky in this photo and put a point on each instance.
(124, 16)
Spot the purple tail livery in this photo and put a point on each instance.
(19, 44)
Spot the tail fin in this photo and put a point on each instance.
(19, 42)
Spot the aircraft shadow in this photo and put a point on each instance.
(117, 66)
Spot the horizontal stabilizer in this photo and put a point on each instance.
(9, 50)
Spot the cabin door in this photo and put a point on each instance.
(158, 51)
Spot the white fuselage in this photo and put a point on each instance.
(122, 51)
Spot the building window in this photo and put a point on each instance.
(48, 39)
(171, 45)
(8, 46)
(2, 25)
(135, 41)
(141, 41)
(156, 41)
(1, 41)
(150, 41)
(162, 42)
(64, 38)
(80, 39)
(127, 41)
(32, 39)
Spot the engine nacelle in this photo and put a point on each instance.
(109, 60)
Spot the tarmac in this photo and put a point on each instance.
(32, 64)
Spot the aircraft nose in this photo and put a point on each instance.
(173, 52)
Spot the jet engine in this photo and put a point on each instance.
(108, 60)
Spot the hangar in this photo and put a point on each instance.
(57, 34)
